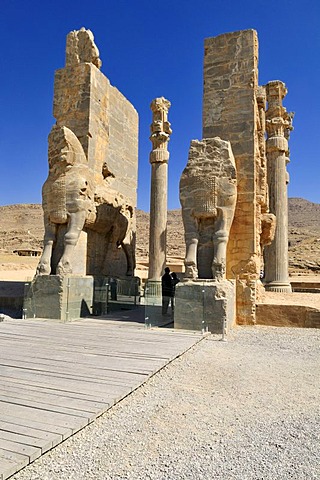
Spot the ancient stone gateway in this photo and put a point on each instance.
(234, 109)
(208, 194)
(89, 197)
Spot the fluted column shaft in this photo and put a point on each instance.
(159, 156)
(276, 254)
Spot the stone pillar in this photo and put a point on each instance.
(159, 156)
(278, 125)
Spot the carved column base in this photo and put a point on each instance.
(284, 287)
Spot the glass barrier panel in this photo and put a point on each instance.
(206, 307)
(112, 294)
(28, 310)
(100, 296)
(158, 309)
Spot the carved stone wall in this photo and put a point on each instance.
(106, 125)
(234, 109)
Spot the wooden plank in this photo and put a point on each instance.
(140, 366)
(13, 383)
(140, 350)
(72, 422)
(45, 406)
(41, 443)
(54, 400)
(21, 421)
(69, 384)
(55, 378)
(14, 447)
(28, 431)
(11, 462)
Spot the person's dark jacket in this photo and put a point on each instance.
(167, 285)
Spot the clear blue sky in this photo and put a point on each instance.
(151, 49)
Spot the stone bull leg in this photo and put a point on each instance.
(50, 236)
(220, 241)
(75, 226)
(192, 240)
(129, 253)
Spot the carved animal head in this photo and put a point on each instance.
(64, 150)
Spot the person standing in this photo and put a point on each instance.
(175, 280)
(167, 290)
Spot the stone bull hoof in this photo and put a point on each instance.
(191, 270)
(218, 270)
(64, 268)
(43, 269)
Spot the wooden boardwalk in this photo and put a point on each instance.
(56, 378)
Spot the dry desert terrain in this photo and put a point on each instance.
(22, 226)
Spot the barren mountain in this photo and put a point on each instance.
(22, 225)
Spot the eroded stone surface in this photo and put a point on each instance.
(208, 193)
(234, 108)
(207, 306)
(93, 156)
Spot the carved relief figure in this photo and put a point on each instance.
(70, 205)
(208, 192)
(89, 197)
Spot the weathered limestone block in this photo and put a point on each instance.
(159, 156)
(268, 229)
(208, 193)
(81, 48)
(59, 297)
(288, 315)
(90, 192)
(207, 306)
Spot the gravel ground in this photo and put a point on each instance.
(243, 409)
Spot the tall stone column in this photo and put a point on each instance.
(159, 156)
(278, 125)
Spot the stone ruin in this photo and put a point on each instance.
(159, 157)
(90, 195)
(89, 198)
(208, 195)
(233, 190)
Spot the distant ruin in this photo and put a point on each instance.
(233, 190)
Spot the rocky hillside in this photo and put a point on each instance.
(304, 235)
(22, 225)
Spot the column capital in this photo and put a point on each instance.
(160, 130)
